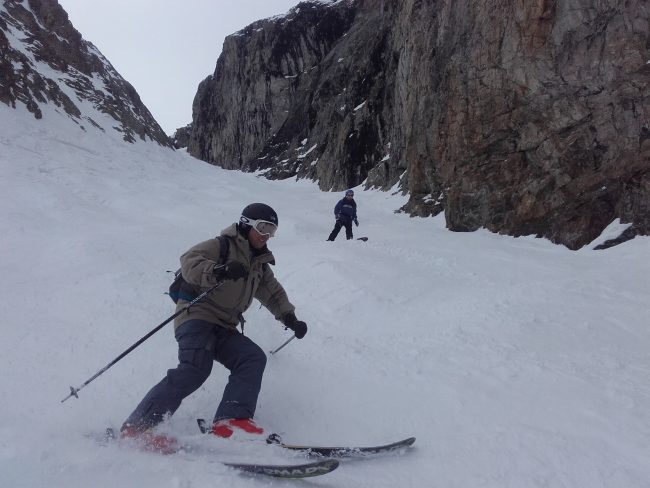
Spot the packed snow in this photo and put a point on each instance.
(515, 362)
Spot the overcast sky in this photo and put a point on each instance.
(164, 48)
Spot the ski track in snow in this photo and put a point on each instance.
(515, 362)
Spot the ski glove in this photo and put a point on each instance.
(356, 222)
(297, 326)
(337, 216)
(233, 270)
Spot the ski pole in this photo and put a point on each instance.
(292, 338)
(74, 391)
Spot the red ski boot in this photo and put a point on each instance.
(150, 442)
(227, 427)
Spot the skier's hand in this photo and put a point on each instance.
(297, 326)
(233, 270)
(337, 216)
(356, 222)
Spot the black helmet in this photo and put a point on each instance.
(258, 212)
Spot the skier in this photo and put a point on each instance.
(345, 213)
(208, 331)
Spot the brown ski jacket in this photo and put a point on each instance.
(225, 305)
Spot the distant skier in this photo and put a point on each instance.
(208, 331)
(345, 213)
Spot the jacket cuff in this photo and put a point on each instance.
(289, 318)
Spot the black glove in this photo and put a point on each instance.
(233, 270)
(297, 326)
(356, 222)
(337, 217)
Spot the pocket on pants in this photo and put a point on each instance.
(194, 335)
(199, 358)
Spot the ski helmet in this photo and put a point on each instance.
(257, 212)
(349, 192)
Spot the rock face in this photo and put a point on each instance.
(523, 117)
(181, 137)
(260, 104)
(44, 60)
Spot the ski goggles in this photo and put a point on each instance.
(263, 227)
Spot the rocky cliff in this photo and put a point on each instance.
(181, 137)
(524, 117)
(45, 61)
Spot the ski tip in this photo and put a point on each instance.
(330, 464)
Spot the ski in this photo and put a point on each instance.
(342, 452)
(308, 470)
(305, 470)
(332, 452)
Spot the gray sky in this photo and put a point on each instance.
(164, 48)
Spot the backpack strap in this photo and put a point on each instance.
(224, 247)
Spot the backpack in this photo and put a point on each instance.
(181, 289)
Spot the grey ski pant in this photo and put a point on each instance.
(199, 344)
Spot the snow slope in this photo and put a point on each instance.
(515, 362)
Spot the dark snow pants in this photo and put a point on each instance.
(199, 344)
(337, 227)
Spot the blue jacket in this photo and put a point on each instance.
(346, 210)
